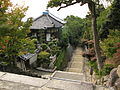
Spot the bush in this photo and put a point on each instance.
(61, 61)
(53, 47)
(44, 46)
(43, 55)
(116, 58)
(64, 40)
(104, 71)
(43, 58)
(108, 45)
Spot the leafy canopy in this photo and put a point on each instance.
(73, 29)
(14, 31)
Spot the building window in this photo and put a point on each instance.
(34, 34)
(48, 36)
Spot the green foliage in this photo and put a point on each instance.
(101, 21)
(56, 3)
(64, 39)
(43, 59)
(103, 72)
(44, 46)
(109, 43)
(43, 55)
(106, 69)
(112, 21)
(54, 48)
(27, 46)
(60, 60)
(73, 30)
(87, 32)
(49, 49)
(4, 4)
(13, 33)
(93, 64)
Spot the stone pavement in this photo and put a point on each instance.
(59, 81)
(68, 81)
(68, 76)
(9, 81)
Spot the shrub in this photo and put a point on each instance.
(108, 45)
(64, 40)
(44, 46)
(43, 58)
(104, 71)
(61, 62)
(54, 48)
(115, 60)
(43, 55)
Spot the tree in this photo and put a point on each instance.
(87, 32)
(74, 29)
(100, 23)
(92, 8)
(109, 43)
(113, 20)
(13, 32)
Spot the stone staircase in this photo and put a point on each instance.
(77, 65)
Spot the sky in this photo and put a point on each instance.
(36, 7)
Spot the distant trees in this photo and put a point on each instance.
(113, 20)
(73, 29)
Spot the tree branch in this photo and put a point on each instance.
(67, 5)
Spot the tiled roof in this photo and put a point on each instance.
(27, 56)
(45, 21)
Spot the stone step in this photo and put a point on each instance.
(102, 88)
(78, 53)
(71, 76)
(76, 65)
(77, 59)
(77, 56)
(76, 70)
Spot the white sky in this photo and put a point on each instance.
(36, 7)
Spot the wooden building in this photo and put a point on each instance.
(46, 27)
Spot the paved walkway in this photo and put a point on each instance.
(76, 64)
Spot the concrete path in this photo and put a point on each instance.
(76, 64)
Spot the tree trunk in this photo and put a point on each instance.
(96, 38)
